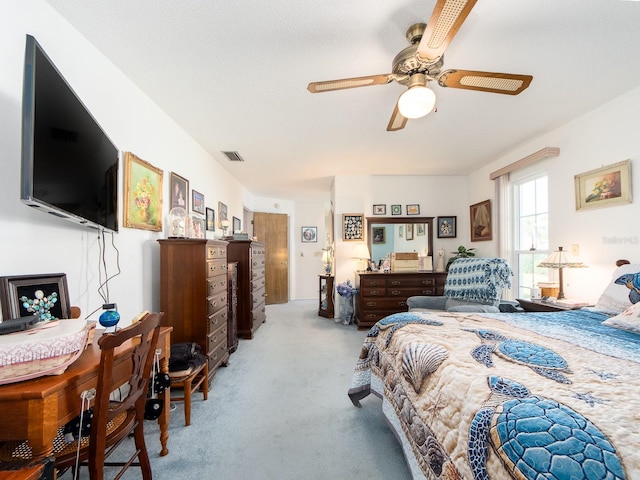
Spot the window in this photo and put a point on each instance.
(530, 207)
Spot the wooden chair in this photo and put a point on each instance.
(114, 421)
(190, 381)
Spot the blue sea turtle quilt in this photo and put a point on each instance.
(500, 396)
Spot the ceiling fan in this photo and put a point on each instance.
(421, 63)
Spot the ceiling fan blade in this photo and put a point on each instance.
(507, 83)
(330, 85)
(446, 19)
(397, 120)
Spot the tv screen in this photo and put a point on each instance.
(69, 165)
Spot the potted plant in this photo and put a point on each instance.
(462, 252)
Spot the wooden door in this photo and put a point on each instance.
(273, 230)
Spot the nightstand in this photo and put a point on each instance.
(542, 306)
(325, 307)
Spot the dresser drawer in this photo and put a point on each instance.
(385, 303)
(216, 338)
(257, 284)
(216, 302)
(373, 291)
(420, 281)
(258, 250)
(216, 267)
(219, 355)
(215, 251)
(216, 284)
(257, 297)
(258, 314)
(369, 318)
(257, 273)
(218, 319)
(410, 292)
(257, 262)
(373, 281)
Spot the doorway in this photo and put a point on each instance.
(273, 230)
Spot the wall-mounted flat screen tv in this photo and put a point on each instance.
(69, 165)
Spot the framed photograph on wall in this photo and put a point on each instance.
(222, 212)
(197, 226)
(409, 231)
(604, 187)
(142, 194)
(237, 224)
(396, 209)
(480, 217)
(309, 235)
(352, 227)
(447, 227)
(413, 209)
(420, 229)
(379, 209)
(197, 202)
(378, 235)
(179, 191)
(46, 295)
(211, 219)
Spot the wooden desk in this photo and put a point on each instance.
(34, 409)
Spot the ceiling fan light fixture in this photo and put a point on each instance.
(416, 102)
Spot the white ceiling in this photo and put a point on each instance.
(234, 75)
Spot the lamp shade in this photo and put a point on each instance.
(326, 258)
(225, 223)
(362, 251)
(561, 259)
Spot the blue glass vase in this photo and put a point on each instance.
(109, 318)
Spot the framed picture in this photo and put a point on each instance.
(211, 219)
(46, 295)
(309, 234)
(222, 212)
(420, 229)
(396, 209)
(413, 209)
(401, 231)
(447, 227)
(179, 191)
(409, 231)
(379, 209)
(378, 235)
(237, 225)
(197, 226)
(480, 216)
(604, 187)
(142, 194)
(352, 227)
(197, 202)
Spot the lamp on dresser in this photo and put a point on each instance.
(361, 252)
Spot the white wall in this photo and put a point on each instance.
(33, 242)
(605, 136)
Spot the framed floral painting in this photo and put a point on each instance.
(604, 187)
(143, 194)
(447, 227)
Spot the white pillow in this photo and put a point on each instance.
(615, 297)
(627, 320)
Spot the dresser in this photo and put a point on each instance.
(193, 295)
(325, 290)
(232, 304)
(250, 257)
(381, 294)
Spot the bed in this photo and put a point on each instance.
(511, 395)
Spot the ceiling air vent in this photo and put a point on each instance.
(234, 156)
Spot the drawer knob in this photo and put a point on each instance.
(396, 293)
(395, 283)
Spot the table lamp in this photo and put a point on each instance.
(361, 252)
(225, 224)
(560, 259)
(326, 259)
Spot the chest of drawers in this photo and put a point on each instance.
(250, 257)
(381, 294)
(194, 293)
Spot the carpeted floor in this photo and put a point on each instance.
(280, 411)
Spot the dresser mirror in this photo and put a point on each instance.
(399, 234)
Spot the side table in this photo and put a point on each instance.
(542, 306)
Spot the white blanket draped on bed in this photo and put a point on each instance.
(434, 373)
